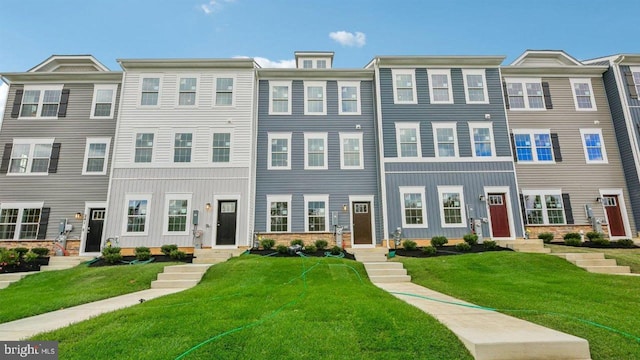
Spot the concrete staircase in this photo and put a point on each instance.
(64, 262)
(7, 279)
(595, 263)
(528, 246)
(180, 276)
(378, 269)
(214, 256)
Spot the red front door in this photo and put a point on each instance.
(499, 215)
(362, 223)
(614, 215)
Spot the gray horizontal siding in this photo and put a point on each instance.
(450, 166)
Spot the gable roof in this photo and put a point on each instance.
(67, 63)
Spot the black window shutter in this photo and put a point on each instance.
(547, 95)
(628, 76)
(513, 147)
(557, 155)
(55, 155)
(64, 100)
(44, 221)
(568, 212)
(524, 210)
(15, 110)
(6, 158)
(506, 96)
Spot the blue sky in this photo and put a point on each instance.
(271, 30)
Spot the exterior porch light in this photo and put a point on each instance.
(207, 206)
(345, 207)
(79, 216)
(481, 197)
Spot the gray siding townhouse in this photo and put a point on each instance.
(317, 165)
(570, 172)
(55, 143)
(183, 158)
(446, 160)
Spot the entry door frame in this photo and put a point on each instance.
(371, 200)
(88, 205)
(214, 227)
(623, 212)
(507, 198)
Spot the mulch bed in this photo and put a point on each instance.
(319, 253)
(447, 251)
(589, 244)
(25, 266)
(127, 259)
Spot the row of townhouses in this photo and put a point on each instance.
(212, 152)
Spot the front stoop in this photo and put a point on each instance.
(180, 276)
(595, 263)
(7, 279)
(535, 246)
(214, 256)
(64, 262)
(377, 267)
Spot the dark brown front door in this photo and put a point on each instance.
(94, 231)
(362, 223)
(499, 215)
(226, 227)
(614, 215)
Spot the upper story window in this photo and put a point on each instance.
(414, 210)
(150, 91)
(104, 98)
(21, 221)
(446, 139)
(187, 92)
(30, 156)
(583, 94)
(349, 97)
(41, 101)
(593, 145)
(307, 64)
(482, 139)
(440, 91)
(408, 140)
(635, 76)
(221, 147)
(182, 145)
(144, 147)
(315, 94)
(279, 151)
(452, 211)
(475, 86)
(96, 156)
(279, 97)
(224, 92)
(404, 86)
(351, 156)
(321, 64)
(533, 145)
(525, 94)
(315, 151)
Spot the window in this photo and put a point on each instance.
(96, 155)
(349, 97)
(30, 156)
(182, 147)
(224, 92)
(440, 91)
(150, 91)
(144, 148)
(475, 86)
(533, 145)
(404, 89)
(41, 101)
(278, 213)
(187, 91)
(594, 151)
(137, 211)
(351, 151)
(583, 94)
(279, 95)
(635, 73)
(452, 212)
(104, 98)
(543, 207)
(314, 98)
(20, 221)
(414, 210)
(307, 64)
(525, 94)
(482, 139)
(408, 139)
(178, 208)
(321, 64)
(279, 151)
(221, 147)
(315, 206)
(445, 139)
(315, 151)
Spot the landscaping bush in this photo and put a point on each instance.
(490, 244)
(409, 245)
(21, 251)
(573, 235)
(572, 241)
(267, 244)
(429, 250)
(438, 241)
(546, 237)
(336, 250)
(167, 249)
(297, 242)
(627, 243)
(111, 255)
(30, 256)
(593, 235)
(177, 254)
(321, 244)
(600, 241)
(471, 239)
(8, 257)
(41, 251)
(143, 253)
(463, 246)
(282, 249)
(310, 249)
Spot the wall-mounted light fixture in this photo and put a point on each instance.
(79, 216)
(345, 207)
(358, 127)
(207, 206)
(487, 116)
(598, 199)
(481, 197)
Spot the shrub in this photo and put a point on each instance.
(600, 241)
(593, 235)
(177, 254)
(110, 250)
(336, 250)
(471, 239)
(267, 244)
(463, 246)
(546, 237)
(30, 256)
(627, 243)
(321, 244)
(111, 255)
(572, 242)
(143, 253)
(282, 249)
(9, 257)
(21, 251)
(490, 244)
(438, 241)
(572, 235)
(409, 245)
(297, 242)
(310, 249)
(41, 251)
(167, 249)
(429, 250)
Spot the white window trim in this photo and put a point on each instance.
(411, 72)
(575, 97)
(449, 89)
(32, 142)
(173, 146)
(233, 92)
(523, 82)
(96, 88)
(176, 196)
(445, 125)
(605, 159)
(147, 76)
(482, 125)
(153, 149)
(358, 136)
(197, 91)
(413, 190)
(42, 89)
(278, 198)
(272, 136)
(482, 72)
(327, 213)
(96, 140)
(531, 133)
(408, 125)
(543, 202)
(355, 84)
(229, 131)
(21, 206)
(129, 197)
(452, 189)
(315, 135)
(308, 84)
(273, 84)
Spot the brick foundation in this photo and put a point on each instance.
(560, 230)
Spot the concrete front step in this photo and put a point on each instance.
(383, 265)
(201, 268)
(608, 269)
(386, 279)
(595, 262)
(174, 284)
(56, 267)
(370, 258)
(381, 272)
(579, 256)
(12, 276)
(180, 276)
(213, 256)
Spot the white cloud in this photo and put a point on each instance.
(346, 38)
(266, 63)
(214, 6)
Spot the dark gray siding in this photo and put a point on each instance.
(453, 167)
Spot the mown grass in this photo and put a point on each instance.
(628, 257)
(264, 308)
(546, 290)
(54, 290)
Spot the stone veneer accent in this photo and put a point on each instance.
(72, 246)
(560, 230)
(308, 238)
